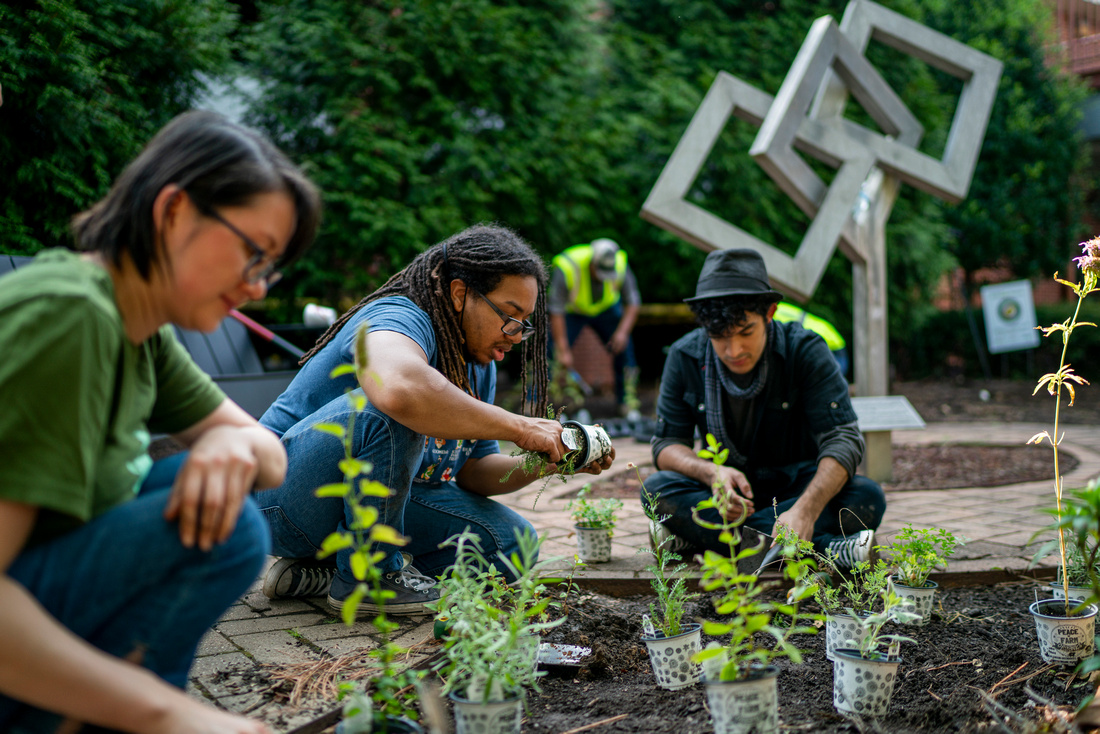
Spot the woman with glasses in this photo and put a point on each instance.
(113, 566)
(430, 430)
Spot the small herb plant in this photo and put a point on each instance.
(741, 595)
(1089, 265)
(1079, 516)
(916, 552)
(393, 690)
(670, 587)
(857, 589)
(494, 627)
(893, 610)
(593, 513)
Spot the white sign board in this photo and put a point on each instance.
(886, 413)
(1009, 312)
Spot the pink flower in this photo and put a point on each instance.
(1089, 263)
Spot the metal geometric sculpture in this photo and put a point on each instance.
(806, 115)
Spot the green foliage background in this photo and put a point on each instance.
(555, 117)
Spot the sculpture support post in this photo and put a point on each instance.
(869, 314)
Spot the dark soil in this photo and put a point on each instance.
(981, 640)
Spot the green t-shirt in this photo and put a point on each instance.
(77, 400)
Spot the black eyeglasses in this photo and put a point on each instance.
(255, 270)
(511, 326)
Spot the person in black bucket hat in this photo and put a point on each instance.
(773, 395)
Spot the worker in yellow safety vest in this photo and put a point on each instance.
(592, 285)
(787, 312)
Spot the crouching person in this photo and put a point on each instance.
(773, 395)
(112, 567)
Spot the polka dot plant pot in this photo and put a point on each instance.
(918, 600)
(841, 630)
(494, 717)
(862, 686)
(593, 544)
(745, 706)
(1063, 640)
(1076, 593)
(671, 657)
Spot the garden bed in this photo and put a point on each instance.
(980, 645)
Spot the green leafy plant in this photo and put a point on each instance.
(669, 585)
(741, 595)
(492, 627)
(1079, 517)
(393, 690)
(916, 552)
(893, 610)
(536, 462)
(593, 513)
(856, 590)
(1064, 378)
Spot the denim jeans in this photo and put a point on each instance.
(859, 505)
(604, 324)
(125, 583)
(300, 521)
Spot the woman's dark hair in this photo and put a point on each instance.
(480, 257)
(219, 163)
(719, 315)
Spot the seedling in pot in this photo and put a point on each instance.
(593, 513)
(668, 584)
(741, 595)
(916, 552)
(871, 647)
(1054, 382)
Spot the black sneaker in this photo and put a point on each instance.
(290, 577)
(413, 592)
(660, 536)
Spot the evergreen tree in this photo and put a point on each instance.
(86, 83)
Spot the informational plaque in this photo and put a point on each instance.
(886, 413)
(1009, 312)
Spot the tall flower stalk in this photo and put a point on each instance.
(1089, 265)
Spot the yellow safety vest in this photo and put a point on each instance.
(574, 264)
(786, 312)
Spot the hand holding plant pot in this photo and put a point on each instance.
(914, 554)
(593, 522)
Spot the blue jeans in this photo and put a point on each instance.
(125, 583)
(859, 505)
(300, 521)
(604, 324)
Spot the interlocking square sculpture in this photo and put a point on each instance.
(807, 114)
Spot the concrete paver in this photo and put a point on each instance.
(998, 523)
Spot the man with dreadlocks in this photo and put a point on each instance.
(773, 395)
(430, 430)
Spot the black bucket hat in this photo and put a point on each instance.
(733, 273)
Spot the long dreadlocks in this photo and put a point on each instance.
(479, 256)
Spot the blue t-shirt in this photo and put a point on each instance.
(312, 388)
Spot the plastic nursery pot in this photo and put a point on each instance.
(394, 725)
(917, 599)
(493, 717)
(593, 544)
(862, 686)
(1076, 593)
(671, 657)
(745, 706)
(589, 443)
(841, 630)
(1063, 640)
